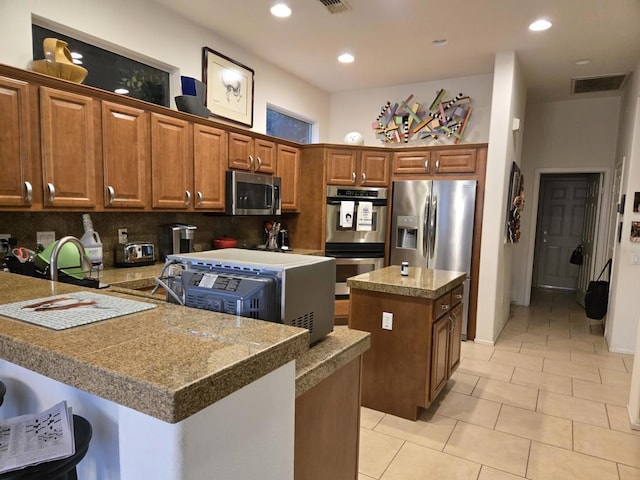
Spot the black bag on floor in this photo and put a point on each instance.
(596, 300)
(576, 256)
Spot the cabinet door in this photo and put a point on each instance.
(289, 172)
(240, 151)
(374, 169)
(171, 162)
(68, 149)
(125, 156)
(439, 356)
(16, 184)
(455, 339)
(265, 156)
(412, 163)
(210, 164)
(341, 167)
(454, 161)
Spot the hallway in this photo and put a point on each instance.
(547, 402)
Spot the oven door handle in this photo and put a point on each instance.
(354, 261)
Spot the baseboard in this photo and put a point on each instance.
(633, 420)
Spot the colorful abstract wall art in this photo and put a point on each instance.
(409, 120)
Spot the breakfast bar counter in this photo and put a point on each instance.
(171, 377)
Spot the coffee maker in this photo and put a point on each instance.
(176, 238)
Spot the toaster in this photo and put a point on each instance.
(135, 254)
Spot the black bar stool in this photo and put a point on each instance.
(63, 469)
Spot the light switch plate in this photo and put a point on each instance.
(5, 236)
(123, 235)
(635, 258)
(387, 321)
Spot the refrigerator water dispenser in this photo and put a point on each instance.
(407, 236)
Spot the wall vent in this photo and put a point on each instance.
(603, 83)
(335, 6)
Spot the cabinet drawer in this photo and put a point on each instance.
(442, 305)
(457, 294)
(455, 161)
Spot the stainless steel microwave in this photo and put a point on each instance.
(252, 194)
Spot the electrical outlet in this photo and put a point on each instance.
(123, 235)
(387, 321)
(45, 238)
(635, 258)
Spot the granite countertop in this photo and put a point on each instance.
(421, 282)
(169, 362)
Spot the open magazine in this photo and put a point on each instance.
(41, 437)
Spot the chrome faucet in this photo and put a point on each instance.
(85, 263)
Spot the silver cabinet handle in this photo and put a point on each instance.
(200, 197)
(187, 197)
(364, 178)
(451, 324)
(28, 193)
(444, 306)
(437, 165)
(52, 192)
(251, 161)
(111, 194)
(259, 163)
(426, 165)
(459, 296)
(353, 177)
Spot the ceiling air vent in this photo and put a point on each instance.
(335, 6)
(604, 83)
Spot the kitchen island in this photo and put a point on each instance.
(415, 323)
(171, 392)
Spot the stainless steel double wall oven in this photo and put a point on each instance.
(355, 231)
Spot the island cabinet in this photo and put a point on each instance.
(16, 182)
(251, 153)
(415, 326)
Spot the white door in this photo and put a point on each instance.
(591, 217)
(561, 213)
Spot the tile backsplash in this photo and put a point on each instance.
(141, 226)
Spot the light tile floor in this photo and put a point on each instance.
(547, 402)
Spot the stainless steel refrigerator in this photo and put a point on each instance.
(432, 227)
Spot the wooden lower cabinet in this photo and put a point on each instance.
(408, 366)
(327, 427)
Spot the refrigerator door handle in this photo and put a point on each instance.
(433, 226)
(425, 227)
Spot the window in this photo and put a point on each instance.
(110, 71)
(285, 126)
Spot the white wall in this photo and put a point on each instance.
(622, 318)
(150, 30)
(567, 136)
(509, 99)
(356, 110)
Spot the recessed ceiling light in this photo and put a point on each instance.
(280, 10)
(346, 58)
(440, 42)
(584, 61)
(540, 25)
(123, 91)
(76, 55)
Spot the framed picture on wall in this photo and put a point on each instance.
(229, 87)
(515, 203)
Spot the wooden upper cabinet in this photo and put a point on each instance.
(171, 162)
(252, 154)
(289, 172)
(68, 149)
(16, 183)
(210, 165)
(454, 161)
(414, 163)
(125, 156)
(374, 169)
(342, 166)
(358, 168)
